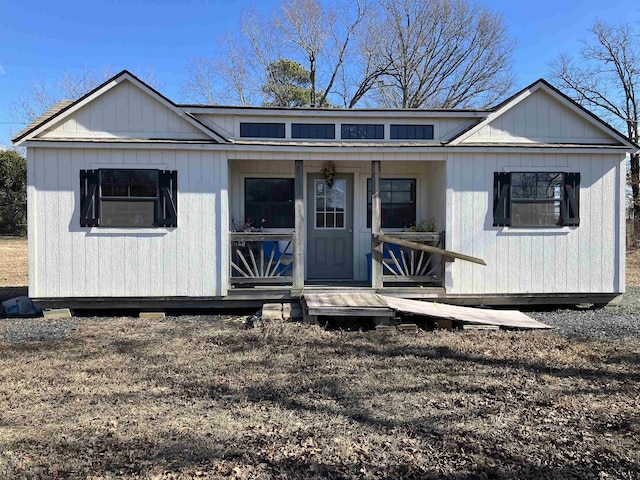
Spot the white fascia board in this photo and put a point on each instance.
(213, 126)
(332, 113)
(236, 149)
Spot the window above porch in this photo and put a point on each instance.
(398, 196)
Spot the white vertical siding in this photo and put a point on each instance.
(32, 220)
(125, 111)
(579, 259)
(620, 222)
(191, 260)
(69, 261)
(541, 118)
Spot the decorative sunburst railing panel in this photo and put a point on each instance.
(406, 265)
(261, 258)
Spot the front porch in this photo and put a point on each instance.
(329, 232)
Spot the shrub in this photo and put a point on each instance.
(13, 193)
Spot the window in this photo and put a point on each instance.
(398, 198)
(313, 130)
(330, 202)
(352, 131)
(535, 199)
(268, 202)
(262, 130)
(128, 198)
(411, 132)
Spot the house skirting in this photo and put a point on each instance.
(239, 299)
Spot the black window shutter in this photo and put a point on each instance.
(501, 199)
(89, 198)
(168, 200)
(571, 200)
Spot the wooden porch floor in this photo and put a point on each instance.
(278, 293)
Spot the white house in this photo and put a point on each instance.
(134, 200)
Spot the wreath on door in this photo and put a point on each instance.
(329, 172)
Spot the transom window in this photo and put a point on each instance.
(128, 198)
(313, 130)
(329, 204)
(268, 202)
(398, 198)
(261, 130)
(411, 132)
(533, 199)
(352, 131)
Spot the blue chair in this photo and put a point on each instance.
(286, 266)
(386, 255)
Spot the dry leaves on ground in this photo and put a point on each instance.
(197, 397)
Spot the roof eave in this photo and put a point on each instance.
(96, 92)
(524, 93)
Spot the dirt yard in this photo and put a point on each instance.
(14, 270)
(633, 268)
(198, 397)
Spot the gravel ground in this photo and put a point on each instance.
(21, 330)
(603, 323)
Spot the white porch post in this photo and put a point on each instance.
(376, 214)
(298, 235)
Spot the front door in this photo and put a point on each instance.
(330, 227)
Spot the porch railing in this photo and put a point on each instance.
(405, 265)
(259, 258)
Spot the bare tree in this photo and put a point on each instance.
(439, 54)
(41, 94)
(304, 25)
(33, 101)
(605, 78)
(309, 32)
(359, 77)
(202, 76)
(320, 33)
(391, 53)
(239, 66)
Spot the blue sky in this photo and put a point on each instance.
(44, 38)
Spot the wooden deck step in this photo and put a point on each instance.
(345, 305)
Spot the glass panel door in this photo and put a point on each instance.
(330, 204)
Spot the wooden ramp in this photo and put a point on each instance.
(383, 308)
(479, 316)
